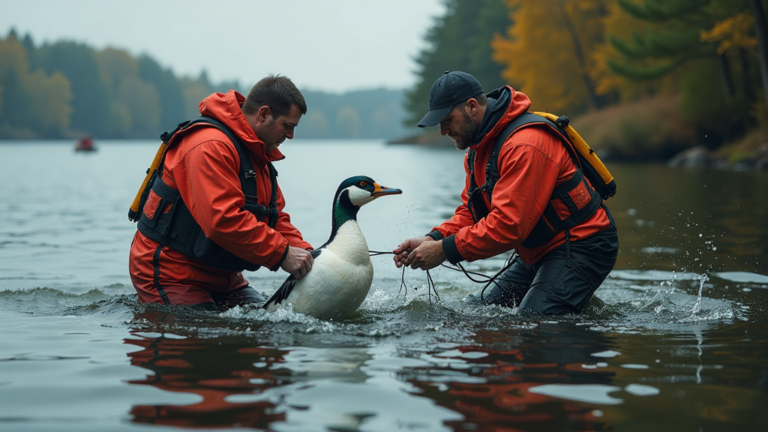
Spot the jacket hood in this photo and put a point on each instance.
(504, 105)
(227, 108)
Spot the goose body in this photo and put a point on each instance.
(342, 272)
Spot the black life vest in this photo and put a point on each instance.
(177, 228)
(550, 224)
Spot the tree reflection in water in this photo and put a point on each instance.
(489, 382)
(213, 368)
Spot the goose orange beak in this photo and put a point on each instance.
(379, 190)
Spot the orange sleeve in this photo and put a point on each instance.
(527, 179)
(207, 179)
(286, 228)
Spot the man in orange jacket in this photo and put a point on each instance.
(560, 269)
(203, 177)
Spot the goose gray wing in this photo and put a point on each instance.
(285, 289)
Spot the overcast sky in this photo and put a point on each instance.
(331, 45)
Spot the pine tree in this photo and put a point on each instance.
(703, 44)
(32, 104)
(90, 101)
(459, 40)
(171, 96)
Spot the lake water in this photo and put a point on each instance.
(677, 338)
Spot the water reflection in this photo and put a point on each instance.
(508, 375)
(214, 369)
(506, 379)
(697, 220)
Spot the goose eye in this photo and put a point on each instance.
(362, 184)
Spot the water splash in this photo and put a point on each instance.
(697, 306)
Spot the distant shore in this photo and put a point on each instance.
(647, 131)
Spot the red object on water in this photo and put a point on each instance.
(85, 144)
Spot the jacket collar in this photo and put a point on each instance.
(504, 105)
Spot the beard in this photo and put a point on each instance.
(466, 133)
(273, 144)
(271, 139)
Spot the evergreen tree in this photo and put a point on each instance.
(31, 103)
(90, 103)
(693, 39)
(194, 91)
(172, 101)
(460, 40)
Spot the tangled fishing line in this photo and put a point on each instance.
(482, 278)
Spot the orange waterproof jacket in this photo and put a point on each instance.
(204, 168)
(532, 162)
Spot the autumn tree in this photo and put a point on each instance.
(704, 44)
(761, 29)
(618, 88)
(32, 103)
(90, 102)
(549, 50)
(168, 89)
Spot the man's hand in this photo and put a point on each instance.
(297, 262)
(426, 256)
(406, 247)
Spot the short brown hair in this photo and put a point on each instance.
(278, 93)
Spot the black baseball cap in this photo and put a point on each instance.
(452, 88)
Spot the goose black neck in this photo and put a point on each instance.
(343, 211)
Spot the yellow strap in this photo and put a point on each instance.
(583, 148)
(152, 168)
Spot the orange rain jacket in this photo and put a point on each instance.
(532, 162)
(204, 168)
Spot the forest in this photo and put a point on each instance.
(643, 79)
(67, 89)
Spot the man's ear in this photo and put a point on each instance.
(472, 105)
(263, 113)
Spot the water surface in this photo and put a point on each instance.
(675, 340)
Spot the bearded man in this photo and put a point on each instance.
(541, 205)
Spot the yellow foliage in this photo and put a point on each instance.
(115, 66)
(143, 104)
(541, 51)
(733, 32)
(50, 98)
(194, 92)
(13, 58)
(45, 99)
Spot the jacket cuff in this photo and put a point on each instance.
(279, 263)
(437, 235)
(451, 251)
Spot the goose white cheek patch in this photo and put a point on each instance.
(358, 196)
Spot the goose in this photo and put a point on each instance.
(342, 272)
